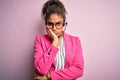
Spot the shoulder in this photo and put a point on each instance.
(75, 40)
(72, 37)
(43, 36)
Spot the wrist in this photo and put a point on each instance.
(55, 43)
(48, 76)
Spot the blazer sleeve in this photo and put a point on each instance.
(75, 70)
(43, 59)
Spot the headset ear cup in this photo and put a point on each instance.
(65, 26)
(65, 23)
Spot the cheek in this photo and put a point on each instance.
(60, 31)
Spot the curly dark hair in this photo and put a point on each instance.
(53, 7)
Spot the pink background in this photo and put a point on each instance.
(96, 22)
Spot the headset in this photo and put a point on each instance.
(65, 25)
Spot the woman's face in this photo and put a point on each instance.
(55, 23)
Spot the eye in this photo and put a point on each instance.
(50, 24)
(58, 24)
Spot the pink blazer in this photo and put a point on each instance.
(44, 58)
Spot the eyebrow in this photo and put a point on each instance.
(55, 22)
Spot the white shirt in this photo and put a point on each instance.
(60, 57)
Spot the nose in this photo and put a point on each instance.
(54, 27)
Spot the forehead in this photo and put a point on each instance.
(55, 18)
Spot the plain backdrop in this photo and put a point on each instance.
(96, 22)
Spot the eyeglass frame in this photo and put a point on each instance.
(58, 25)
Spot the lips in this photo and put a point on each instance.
(55, 32)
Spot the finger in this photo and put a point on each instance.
(48, 31)
(38, 77)
(35, 75)
(51, 32)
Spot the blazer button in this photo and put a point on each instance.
(49, 52)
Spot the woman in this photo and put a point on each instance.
(57, 55)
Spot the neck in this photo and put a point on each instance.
(60, 36)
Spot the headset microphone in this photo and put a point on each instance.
(65, 25)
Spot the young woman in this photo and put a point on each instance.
(57, 55)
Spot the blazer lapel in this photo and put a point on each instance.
(67, 49)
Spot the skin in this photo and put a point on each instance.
(54, 33)
(56, 36)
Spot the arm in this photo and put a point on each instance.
(39, 77)
(74, 71)
(43, 59)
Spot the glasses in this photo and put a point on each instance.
(58, 25)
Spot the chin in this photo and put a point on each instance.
(59, 35)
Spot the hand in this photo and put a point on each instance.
(53, 36)
(39, 77)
